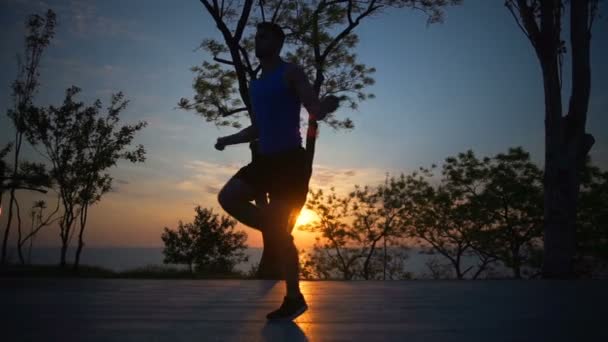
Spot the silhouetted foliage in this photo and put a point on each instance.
(81, 144)
(490, 208)
(504, 196)
(379, 218)
(351, 230)
(209, 245)
(319, 36)
(487, 210)
(38, 221)
(439, 219)
(24, 175)
(336, 252)
(592, 221)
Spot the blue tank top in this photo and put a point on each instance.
(277, 112)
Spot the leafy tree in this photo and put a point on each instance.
(502, 196)
(40, 31)
(320, 37)
(514, 196)
(489, 208)
(81, 144)
(567, 143)
(208, 245)
(337, 249)
(38, 221)
(379, 215)
(466, 177)
(436, 219)
(352, 229)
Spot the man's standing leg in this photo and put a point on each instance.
(284, 211)
(283, 215)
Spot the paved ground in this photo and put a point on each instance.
(234, 310)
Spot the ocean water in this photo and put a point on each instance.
(125, 258)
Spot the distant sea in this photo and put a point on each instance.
(125, 258)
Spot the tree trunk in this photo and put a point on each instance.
(8, 226)
(78, 251)
(516, 270)
(83, 222)
(19, 237)
(65, 229)
(18, 140)
(566, 146)
(385, 260)
(367, 260)
(64, 249)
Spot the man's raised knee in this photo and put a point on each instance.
(223, 197)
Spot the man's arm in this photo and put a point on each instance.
(247, 134)
(317, 110)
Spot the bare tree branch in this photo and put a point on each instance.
(233, 111)
(510, 6)
(276, 12)
(223, 61)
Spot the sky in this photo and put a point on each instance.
(471, 82)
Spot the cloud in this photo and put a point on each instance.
(212, 189)
(89, 70)
(207, 177)
(344, 180)
(82, 19)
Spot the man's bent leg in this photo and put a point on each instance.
(234, 199)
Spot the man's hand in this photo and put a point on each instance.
(245, 135)
(220, 145)
(317, 109)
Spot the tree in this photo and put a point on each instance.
(566, 141)
(40, 32)
(209, 245)
(379, 215)
(320, 37)
(592, 220)
(502, 197)
(437, 218)
(38, 221)
(489, 207)
(351, 229)
(514, 195)
(81, 144)
(337, 250)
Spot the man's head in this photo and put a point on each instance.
(268, 40)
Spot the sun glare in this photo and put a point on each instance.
(306, 216)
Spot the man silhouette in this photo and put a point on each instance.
(280, 165)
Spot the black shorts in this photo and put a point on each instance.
(284, 176)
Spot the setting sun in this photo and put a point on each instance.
(306, 216)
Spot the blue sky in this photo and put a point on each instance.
(472, 82)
